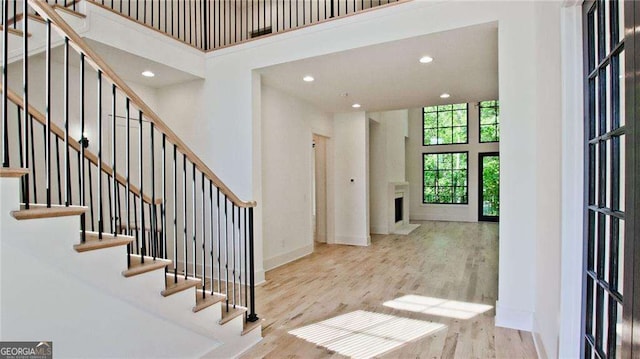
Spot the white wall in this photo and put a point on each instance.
(287, 174)
(351, 158)
(415, 149)
(548, 181)
(387, 162)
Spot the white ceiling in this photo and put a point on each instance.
(388, 76)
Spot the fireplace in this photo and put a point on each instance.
(398, 209)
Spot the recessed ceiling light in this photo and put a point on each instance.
(148, 73)
(308, 78)
(426, 59)
(356, 105)
(445, 95)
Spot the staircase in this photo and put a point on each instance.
(124, 245)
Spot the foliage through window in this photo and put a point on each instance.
(445, 178)
(445, 124)
(489, 121)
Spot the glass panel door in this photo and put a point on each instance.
(489, 178)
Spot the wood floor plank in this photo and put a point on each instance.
(447, 260)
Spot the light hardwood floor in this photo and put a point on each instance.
(453, 261)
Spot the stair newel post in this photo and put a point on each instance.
(99, 165)
(114, 146)
(194, 219)
(226, 251)
(83, 145)
(47, 114)
(5, 74)
(252, 286)
(28, 121)
(141, 178)
(154, 232)
(67, 162)
(127, 110)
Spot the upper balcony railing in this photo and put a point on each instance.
(214, 24)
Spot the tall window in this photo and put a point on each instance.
(489, 121)
(445, 124)
(445, 178)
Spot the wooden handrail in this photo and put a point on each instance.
(48, 13)
(38, 116)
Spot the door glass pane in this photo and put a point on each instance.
(490, 186)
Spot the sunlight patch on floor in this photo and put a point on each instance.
(363, 334)
(438, 306)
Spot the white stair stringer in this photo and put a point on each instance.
(82, 302)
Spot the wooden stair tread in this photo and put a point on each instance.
(137, 267)
(207, 301)
(173, 287)
(227, 316)
(41, 211)
(249, 326)
(14, 31)
(9, 172)
(108, 240)
(69, 11)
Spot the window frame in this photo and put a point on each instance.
(466, 203)
(497, 124)
(424, 143)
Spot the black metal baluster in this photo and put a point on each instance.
(153, 194)
(28, 120)
(164, 198)
(252, 306)
(304, 12)
(111, 212)
(184, 20)
(136, 226)
(33, 168)
(47, 114)
(114, 146)
(246, 300)
(100, 207)
(184, 214)
(233, 246)
(194, 215)
(127, 109)
(152, 12)
(175, 215)
(226, 251)
(211, 231)
(58, 170)
(219, 237)
(239, 255)
(21, 157)
(90, 198)
(141, 177)
(204, 255)
(118, 207)
(82, 149)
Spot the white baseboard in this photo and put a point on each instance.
(537, 342)
(285, 258)
(379, 230)
(513, 318)
(353, 241)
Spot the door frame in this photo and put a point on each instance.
(481, 216)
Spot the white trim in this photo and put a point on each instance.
(353, 240)
(539, 344)
(513, 318)
(282, 259)
(572, 183)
